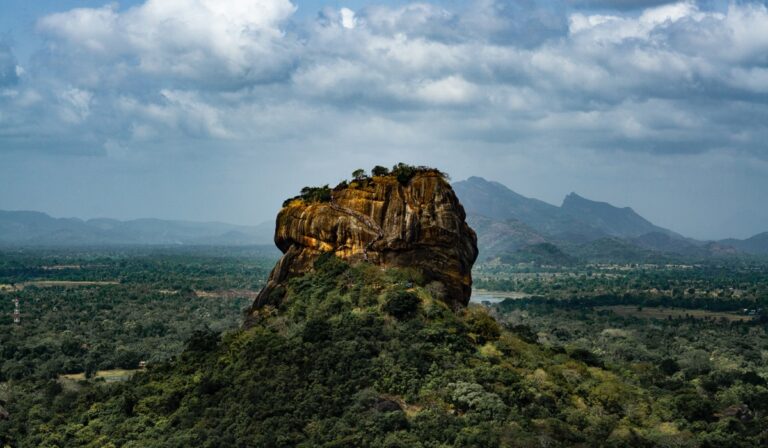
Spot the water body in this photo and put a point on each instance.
(482, 295)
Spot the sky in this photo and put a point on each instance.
(220, 109)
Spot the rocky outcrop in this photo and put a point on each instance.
(417, 223)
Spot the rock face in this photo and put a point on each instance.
(419, 224)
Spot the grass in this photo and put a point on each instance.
(52, 283)
(227, 294)
(674, 313)
(109, 376)
(483, 293)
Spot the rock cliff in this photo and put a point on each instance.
(387, 220)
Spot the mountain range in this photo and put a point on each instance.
(509, 226)
(517, 228)
(25, 228)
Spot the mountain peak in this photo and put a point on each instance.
(477, 179)
(578, 219)
(615, 221)
(575, 198)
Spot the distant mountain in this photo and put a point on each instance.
(540, 253)
(578, 219)
(613, 250)
(494, 200)
(514, 227)
(756, 245)
(25, 228)
(496, 237)
(614, 221)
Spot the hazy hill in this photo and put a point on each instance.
(495, 237)
(24, 228)
(514, 226)
(756, 245)
(578, 219)
(494, 200)
(614, 221)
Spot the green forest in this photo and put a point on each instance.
(357, 356)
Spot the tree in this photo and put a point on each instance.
(358, 174)
(401, 304)
(669, 366)
(379, 170)
(403, 172)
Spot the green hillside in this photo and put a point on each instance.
(356, 357)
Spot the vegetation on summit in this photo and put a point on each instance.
(402, 172)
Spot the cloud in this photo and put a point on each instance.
(670, 78)
(9, 70)
(225, 43)
(619, 4)
(651, 102)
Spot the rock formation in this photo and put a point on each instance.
(388, 220)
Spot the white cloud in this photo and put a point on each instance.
(448, 90)
(348, 19)
(237, 69)
(203, 40)
(175, 113)
(76, 105)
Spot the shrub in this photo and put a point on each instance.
(669, 366)
(358, 174)
(482, 326)
(312, 194)
(403, 172)
(203, 340)
(473, 397)
(587, 357)
(401, 304)
(330, 265)
(316, 330)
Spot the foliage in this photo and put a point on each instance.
(401, 304)
(332, 367)
(402, 172)
(362, 357)
(379, 170)
(161, 298)
(706, 375)
(312, 195)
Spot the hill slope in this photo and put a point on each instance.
(614, 221)
(756, 245)
(496, 237)
(355, 357)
